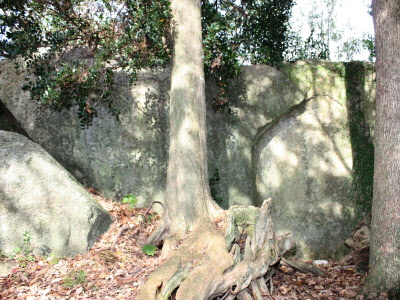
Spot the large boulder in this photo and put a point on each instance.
(303, 162)
(37, 195)
(298, 133)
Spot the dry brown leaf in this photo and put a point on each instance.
(312, 282)
(122, 278)
(78, 290)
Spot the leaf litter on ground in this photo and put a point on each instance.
(116, 267)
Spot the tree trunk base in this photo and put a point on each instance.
(211, 264)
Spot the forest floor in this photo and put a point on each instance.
(116, 267)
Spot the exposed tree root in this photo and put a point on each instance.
(211, 264)
(304, 267)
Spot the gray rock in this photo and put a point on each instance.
(287, 138)
(37, 195)
(116, 158)
(304, 162)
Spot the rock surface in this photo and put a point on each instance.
(39, 198)
(288, 124)
(303, 162)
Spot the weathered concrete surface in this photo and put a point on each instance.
(38, 196)
(267, 103)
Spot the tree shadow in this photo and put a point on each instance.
(30, 205)
(231, 136)
(130, 156)
(311, 184)
(134, 156)
(360, 136)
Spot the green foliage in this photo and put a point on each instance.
(26, 248)
(74, 47)
(55, 260)
(131, 199)
(355, 45)
(74, 278)
(71, 83)
(368, 42)
(251, 31)
(150, 218)
(149, 249)
(27, 237)
(313, 47)
(241, 31)
(23, 253)
(255, 31)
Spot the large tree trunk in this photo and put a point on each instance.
(384, 272)
(188, 201)
(216, 253)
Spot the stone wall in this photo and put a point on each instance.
(287, 138)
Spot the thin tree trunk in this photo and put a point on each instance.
(384, 272)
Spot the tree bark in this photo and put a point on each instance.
(384, 272)
(188, 201)
(215, 253)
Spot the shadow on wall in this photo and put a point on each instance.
(8, 122)
(257, 97)
(129, 156)
(286, 138)
(227, 162)
(289, 139)
(360, 135)
(115, 157)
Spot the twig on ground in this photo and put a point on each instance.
(118, 236)
(151, 205)
(112, 247)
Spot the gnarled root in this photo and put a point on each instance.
(213, 265)
(201, 257)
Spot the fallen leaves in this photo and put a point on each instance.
(340, 283)
(112, 269)
(116, 267)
